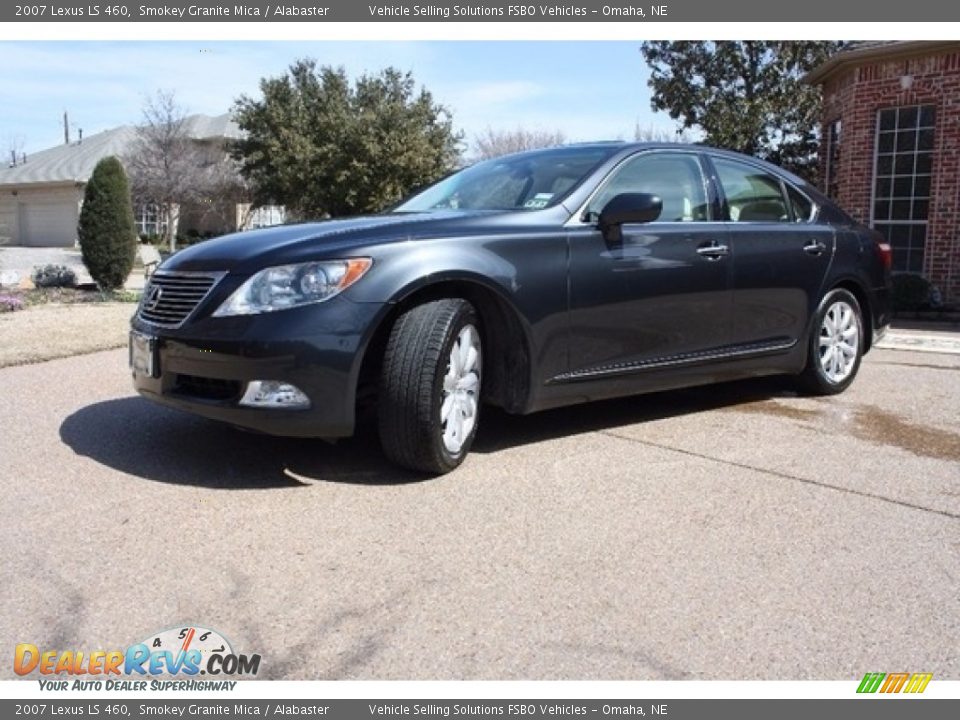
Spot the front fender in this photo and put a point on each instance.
(402, 268)
(528, 273)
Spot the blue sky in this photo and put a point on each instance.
(588, 90)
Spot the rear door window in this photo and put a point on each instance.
(800, 204)
(752, 195)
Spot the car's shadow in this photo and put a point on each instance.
(145, 440)
(499, 431)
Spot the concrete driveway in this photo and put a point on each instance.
(734, 532)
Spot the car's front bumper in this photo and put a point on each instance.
(204, 367)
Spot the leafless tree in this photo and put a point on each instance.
(169, 168)
(493, 143)
(651, 133)
(14, 145)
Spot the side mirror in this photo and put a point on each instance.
(628, 208)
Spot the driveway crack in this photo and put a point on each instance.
(783, 475)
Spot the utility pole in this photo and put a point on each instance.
(66, 129)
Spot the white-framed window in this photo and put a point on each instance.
(267, 216)
(151, 219)
(902, 180)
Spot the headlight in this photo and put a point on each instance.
(286, 286)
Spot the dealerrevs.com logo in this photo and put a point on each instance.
(177, 652)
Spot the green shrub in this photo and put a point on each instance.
(107, 232)
(910, 292)
(53, 276)
(127, 296)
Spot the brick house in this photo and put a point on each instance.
(890, 153)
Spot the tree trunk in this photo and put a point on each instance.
(173, 220)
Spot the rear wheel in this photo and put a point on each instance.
(836, 345)
(430, 386)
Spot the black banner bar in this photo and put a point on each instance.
(446, 11)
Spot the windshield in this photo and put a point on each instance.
(527, 181)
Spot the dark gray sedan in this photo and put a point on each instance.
(531, 281)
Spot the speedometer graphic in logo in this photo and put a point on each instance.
(178, 641)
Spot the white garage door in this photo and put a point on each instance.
(48, 224)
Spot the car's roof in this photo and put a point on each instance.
(623, 148)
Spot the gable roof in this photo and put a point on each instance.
(74, 163)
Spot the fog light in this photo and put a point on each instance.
(274, 394)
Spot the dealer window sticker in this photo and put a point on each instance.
(540, 200)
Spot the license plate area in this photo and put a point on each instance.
(144, 359)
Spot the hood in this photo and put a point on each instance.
(255, 249)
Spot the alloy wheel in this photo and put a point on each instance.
(461, 390)
(839, 341)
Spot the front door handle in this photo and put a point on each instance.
(814, 247)
(713, 250)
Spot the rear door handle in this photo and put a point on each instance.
(814, 247)
(713, 250)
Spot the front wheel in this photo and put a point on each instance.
(430, 386)
(836, 345)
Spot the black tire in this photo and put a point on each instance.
(412, 388)
(815, 378)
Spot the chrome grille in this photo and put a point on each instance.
(170, 297)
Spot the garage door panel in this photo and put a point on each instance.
(48, 224)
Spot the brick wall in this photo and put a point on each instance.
(855, 95)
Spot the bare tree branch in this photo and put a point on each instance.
(658, 135)
(169, 168)
(14, 145)
(493, 143)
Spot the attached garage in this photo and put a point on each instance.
(41, 193)
(48, 224)
(40, 215)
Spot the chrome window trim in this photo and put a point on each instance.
(576, 218)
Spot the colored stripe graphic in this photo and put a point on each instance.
(870, 682)
(894, 682)
(918, 682)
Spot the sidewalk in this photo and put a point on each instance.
(922, 337)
